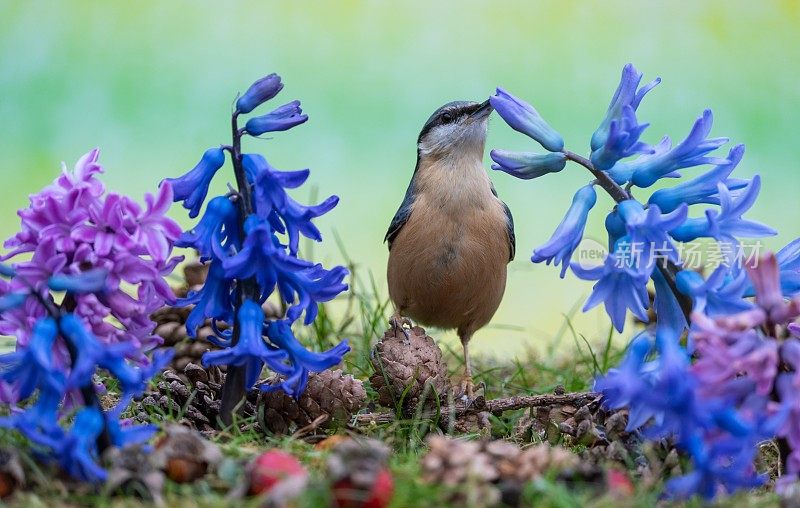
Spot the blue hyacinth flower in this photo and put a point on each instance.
(621, 386)
(647, 169)
(262, 256)
(91, 281)
(269, 184)
(13, 300)
(618, 135)
(704, 188)
(665, 303)
(251, 351)
(7, 271)
(302, 360)
(620, 284)
(219, 223)
(77, 450)
(647, 231)
(789, 262)
(93, 354)
(213, 301)
(192, 187)
(296, 219)
(528, 165)
(522, 117)
(568, 234)
(30, 367)
(726, 224)
(259, 92)
(312, 286)
(280, 119)
(722, 294)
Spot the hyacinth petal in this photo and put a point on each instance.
(7, 271)
(217, 224)
(259, 92)
(91, 281)
(302, 360)
(13, 300)
(523, 118)
(528, 165)
(704, 188)
(569, 232)
(280, 119)
(192, 187)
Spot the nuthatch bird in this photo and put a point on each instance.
(452, 237)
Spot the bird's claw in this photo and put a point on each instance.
(398, 322)
(466, 392)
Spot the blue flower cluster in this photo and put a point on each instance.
(719, 402)
(57, 408)
(250, 240)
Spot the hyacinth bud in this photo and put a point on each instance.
(283, 118)
(528, 165)
(522, 117)
(192, 187)
(92, 281)
(12, 301)
(259, 92)
(7, 271)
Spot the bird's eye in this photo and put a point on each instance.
(447, 118)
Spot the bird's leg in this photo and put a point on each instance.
(398, 322)
(467, 385)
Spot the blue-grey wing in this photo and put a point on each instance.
(402, 215)
(512, 239)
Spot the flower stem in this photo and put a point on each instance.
(233, 391)
(667, 268)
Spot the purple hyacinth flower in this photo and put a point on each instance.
(726, 224)
(250, 352)
(528, 165)
(704, 188)
(91, 281)
(522, 117)
(303, 361)
(618, 135)
(280, 119)
(192, 187)
(568, 234)
(620, 285)
(259, 92)
(647, 169)
(219, 222)
(765, 276)
(213, 301)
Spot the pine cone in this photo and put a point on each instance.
(410, 369)
(194, 396)
(330, 393)
(359, 474)
(482, 473)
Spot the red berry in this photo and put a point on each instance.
(273, 467)
(348, 495)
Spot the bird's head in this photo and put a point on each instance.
(457, 128)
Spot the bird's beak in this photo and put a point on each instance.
(482, 111)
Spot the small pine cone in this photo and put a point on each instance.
(329, 393)
(472, 471)
(537, 460)
(408, 368)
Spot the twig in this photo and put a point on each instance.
(494, 406)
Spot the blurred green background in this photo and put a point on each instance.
(152, 82)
